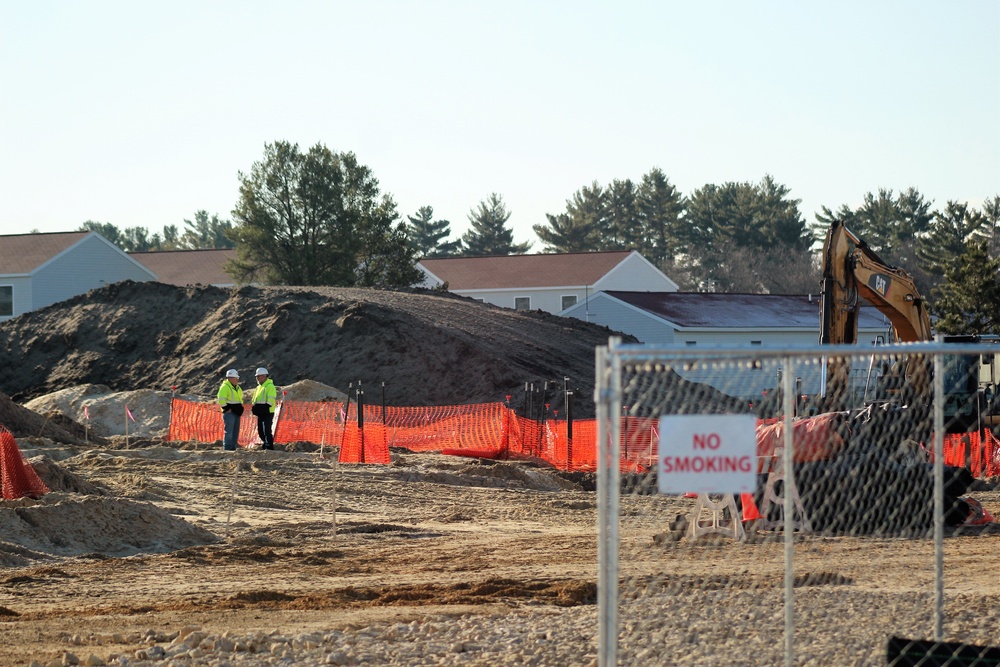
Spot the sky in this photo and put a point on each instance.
(142, 113)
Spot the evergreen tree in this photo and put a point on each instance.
(577, 229)
(427, 235)
(968, 301)
(991, 224)
(659, 206)
(206, 232)
(888, 224)
(623, 229)
(951, 232)
(386, 257)
(171, 238)
(489, 234)
(105, 229)
(760, 218)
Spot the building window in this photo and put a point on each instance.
(6, 300)
(568, 301)
(755, 342)
(522, 303)
(690, 343)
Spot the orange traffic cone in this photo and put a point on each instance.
(750, 511)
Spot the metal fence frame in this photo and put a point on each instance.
(608, 398)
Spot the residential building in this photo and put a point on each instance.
(37, 270)
(550, 282)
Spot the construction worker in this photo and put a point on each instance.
(230, 399)
(264, 399)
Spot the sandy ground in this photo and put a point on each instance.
(286, 543)
(406, 540)
(155, 553)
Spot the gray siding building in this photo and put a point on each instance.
(551, 282)
(37, 270)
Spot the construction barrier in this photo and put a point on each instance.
(493, 430)
(17, 478)
(980, 453)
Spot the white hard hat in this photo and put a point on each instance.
(233, 373)
(261, 371)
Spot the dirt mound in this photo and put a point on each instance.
(57, 478)
(430, 348)
(309, 390)
(23, 422)
(68, 525)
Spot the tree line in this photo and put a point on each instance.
(319, 217)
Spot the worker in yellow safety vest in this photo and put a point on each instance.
(230, 399)
(265, 396)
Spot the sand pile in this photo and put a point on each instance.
(24, 422)
(310, 390)
(64, 524)
(106, 409)
(149, 407)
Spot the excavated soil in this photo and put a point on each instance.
(428, 347)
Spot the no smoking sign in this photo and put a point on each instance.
(707, 454)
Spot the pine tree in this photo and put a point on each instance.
(659, 206)
(622, 211)
(578, 229)
(951, 232)
(489, 234)
(427, 235)
(968, 301)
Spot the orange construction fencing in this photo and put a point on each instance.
(202, 422)
(979, 453)
(17, 478)
(490, 430)
(482, 429)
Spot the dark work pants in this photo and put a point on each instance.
(264, 430)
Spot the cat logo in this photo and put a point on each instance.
(880, 283)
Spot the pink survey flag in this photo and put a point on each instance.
(86, 412)
(129, 413)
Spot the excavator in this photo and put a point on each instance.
(852, 272)
(874, 476)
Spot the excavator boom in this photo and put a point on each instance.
(852, 271)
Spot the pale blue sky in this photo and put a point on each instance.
(139, 113)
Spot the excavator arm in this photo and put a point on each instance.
(852, 272)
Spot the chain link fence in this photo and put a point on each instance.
(765, 507)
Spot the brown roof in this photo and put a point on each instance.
(520, 271)
(188, 267)
(23, 253)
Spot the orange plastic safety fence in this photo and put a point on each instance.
(990, 456)
(640, 439)
(17, 478)
(367, 445)
(321, 422)
(202, 422)
(484, 429)
(477, 426)
(981, 455)
(580, 455)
